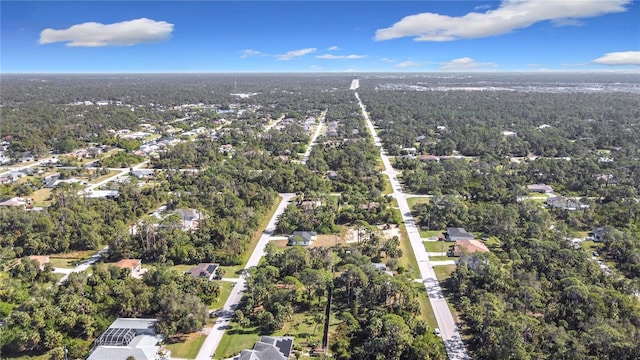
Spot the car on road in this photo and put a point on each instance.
(437, 332)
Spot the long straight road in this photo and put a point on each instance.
(449, 332)
(212, 341)
(314, 138)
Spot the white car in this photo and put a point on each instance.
(437, 332)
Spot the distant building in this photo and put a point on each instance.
(427, 157)
(302, 238)
(600, 233)
(457, 233)
(565, 203)
(540, 188)
(129, 338)
(190, 218)
(16, 201)
(205, 270)
(269, 348)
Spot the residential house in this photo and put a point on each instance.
(310, 205)
(11, 177)
(606, 179)
(565, 203)
(427, 157)
(205, 270)
(540, 188)
(42, 260)
(143, 173)
(269, 348)
(457, 233)
(15, 201)
(599, 234)
(190, 218)
(130, 338)
(468, 247)
(302, 238)
(134, 265)
(383, 267)
(332, 175)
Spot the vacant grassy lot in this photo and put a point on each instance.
(41, 197)
(443, 258)
(430, 233)
(186, 346)
(104, 177)
(444, 271)
(437, 246)
(413, 201)
(225, 290)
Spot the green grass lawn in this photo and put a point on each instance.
(444, 271)
(63, 262)
(437, 246)
(388, 189)
(187, 346)
(225, 290)
(408, 259)
(425, 306)
(413, 201)
(104, 177)
(181, 268)
(234, 340)
(430, 233)
(234, 271)
(41, 197)
(591, 245)
(443, 258)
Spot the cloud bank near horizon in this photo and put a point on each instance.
(125, 33)
(510, 16)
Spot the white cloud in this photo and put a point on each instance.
(296, 53)
(93, 34)
(315, 67)
(511, 15)
(406, 64)
(387, 60)
(335, 57)
(249, 52)
(333, 48)
(466, 64)
(619, 58)
(482, 7)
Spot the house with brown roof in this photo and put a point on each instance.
(469, 247)
(42, 260)
(205, 270)
(134, 265)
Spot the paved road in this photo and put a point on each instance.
(210, 344)
(122, 172)
(270, 126)
(85, 264)
(448, 329)
(312, 142)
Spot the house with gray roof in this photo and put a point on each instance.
(129, 337)
(269, 348)
(457, 233)
(302, 238)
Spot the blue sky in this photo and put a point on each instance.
(319, 36)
